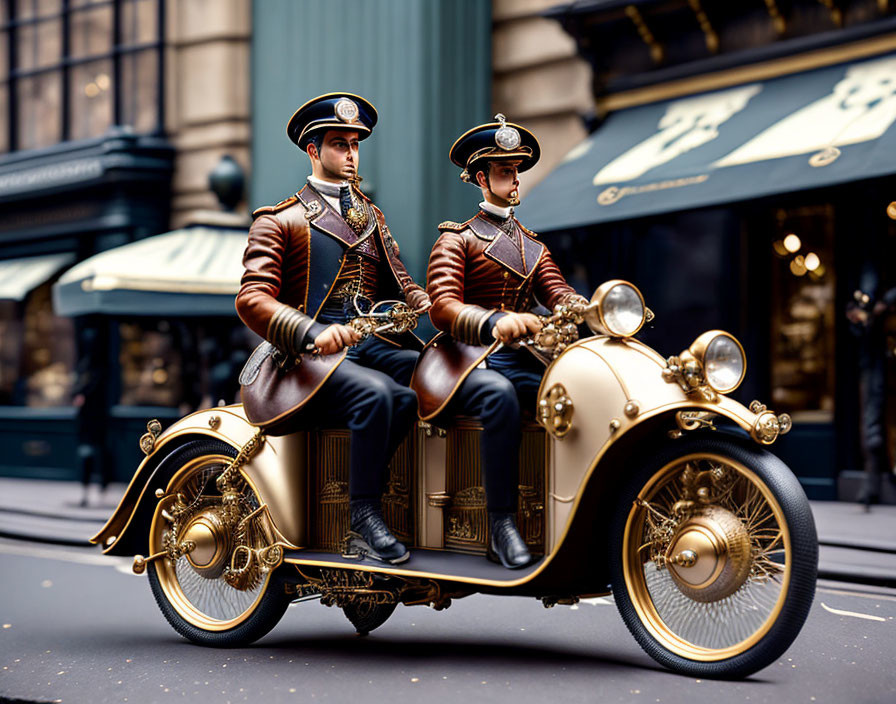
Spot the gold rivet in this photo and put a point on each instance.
(615, 424)
(506, 274)
(214, 422)
(160, 492)
(632, 408)
(891, 210)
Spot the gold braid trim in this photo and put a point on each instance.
(467, 326)
(282, 329)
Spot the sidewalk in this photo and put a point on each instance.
(855, 546)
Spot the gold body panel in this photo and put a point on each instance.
(328, 500)
(278, 472)
(613, 384)
(452, 502)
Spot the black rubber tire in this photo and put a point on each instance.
(267, 612)
(786, 489)
(365, 617)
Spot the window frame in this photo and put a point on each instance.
(116, 54)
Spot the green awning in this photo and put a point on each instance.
(809, 130)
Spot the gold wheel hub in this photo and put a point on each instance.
(709, 556)
(208, 532)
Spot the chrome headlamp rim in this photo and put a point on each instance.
(595, 316)
(699, 348)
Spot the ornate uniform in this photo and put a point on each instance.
(478, 271)
(282, 294)
(307, 266)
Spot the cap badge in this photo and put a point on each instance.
(346, 110)
(506, 137)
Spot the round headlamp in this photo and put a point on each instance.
(722, 358)
(617, 309)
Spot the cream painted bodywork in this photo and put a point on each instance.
(601, 375)
(432, 457)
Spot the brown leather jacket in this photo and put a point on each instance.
(293, 258)
(477, 269)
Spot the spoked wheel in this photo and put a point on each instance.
(220, 590)
(366, 615)
(715, 557)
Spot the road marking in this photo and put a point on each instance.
(854, 614)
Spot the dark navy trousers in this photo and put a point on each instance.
(496, 395)
(368, 393)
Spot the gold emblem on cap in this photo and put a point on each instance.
(346, 110)
(506, 137)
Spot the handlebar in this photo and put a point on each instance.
(558, 331)
(386, 316)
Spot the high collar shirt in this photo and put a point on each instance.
(329, 190)
(496, 210)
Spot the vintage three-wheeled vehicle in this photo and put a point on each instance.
(639, 477)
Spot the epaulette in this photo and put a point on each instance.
(452, 226)
(271, 209)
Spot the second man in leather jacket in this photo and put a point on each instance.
(485, 276)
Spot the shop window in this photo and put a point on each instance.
(182, 364)
(70, 70)
(37, 353)
(803, 313)
(152, 364)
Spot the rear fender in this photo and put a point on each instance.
(277, 473)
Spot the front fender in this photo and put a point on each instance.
(615, 387)
(277, 473)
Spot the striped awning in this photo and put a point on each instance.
(194, 271)
(18, 277)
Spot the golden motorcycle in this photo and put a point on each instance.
(639, 477)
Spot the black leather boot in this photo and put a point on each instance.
(505, 544)
(370, 535)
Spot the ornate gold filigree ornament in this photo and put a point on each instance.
(392, 317)
(356, 216)
(768, 426)
(558, 331)
(220, 536)
(148, 440)
(344, 588)
(555, 411)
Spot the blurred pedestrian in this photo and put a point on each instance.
(867, 314)
(89, 402)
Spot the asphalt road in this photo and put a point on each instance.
(79, 627)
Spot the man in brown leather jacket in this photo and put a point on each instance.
(313, 263)
(485, 277)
